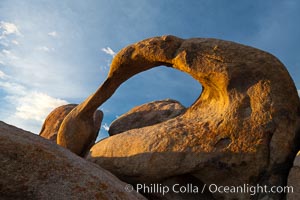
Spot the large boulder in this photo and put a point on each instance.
(244, 124)
(146, 115)
(53, 122)
(294, 180)
(32, 167)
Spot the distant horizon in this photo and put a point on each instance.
(56, 53)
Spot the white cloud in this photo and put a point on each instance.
(45, 48)
(36, 106)
(25, 108)
(3, 76)
(105, 126)
(299, 93)
(7, 54)
(3, 42)
(41, 71)
(53, 34)
(8, 29)
(15, 42)
(12, 88)
(108, 51)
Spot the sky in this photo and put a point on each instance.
(58, 52)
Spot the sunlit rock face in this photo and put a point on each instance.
(241, 130)
(146, 115)
(32, 167)
(53, 122)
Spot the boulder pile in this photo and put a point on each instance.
(243, 130)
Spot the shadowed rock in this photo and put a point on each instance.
(294, 180)
(146, 115)
(55, 118)
(183, 187)
(34, 168)
(243, 124)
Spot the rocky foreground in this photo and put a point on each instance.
(35, 168)
(243, 130)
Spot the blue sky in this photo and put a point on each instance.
(58, 52)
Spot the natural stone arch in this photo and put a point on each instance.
(243, 125)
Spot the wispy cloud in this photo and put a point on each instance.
(28, 62)
(53, 34)
(3, 76)
(105, 127)
(30, 108)
(8, 29)
(23, 105)
(12, 89)
(109, 51)
(35, 105)
(45, 48)
(6, 52)
(15, 42)
(7, 55)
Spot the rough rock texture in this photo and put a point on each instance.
(78, 145)
(243, 125)
(146, 115)
(294, 179)
(34, 168)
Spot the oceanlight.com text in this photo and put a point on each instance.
(212, 188)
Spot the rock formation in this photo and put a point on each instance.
(243, 125)
(32, 167)
(146, 115)
(80, 145)
(54, 120)
(294, 180)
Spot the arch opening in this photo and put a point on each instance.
(157, 83)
